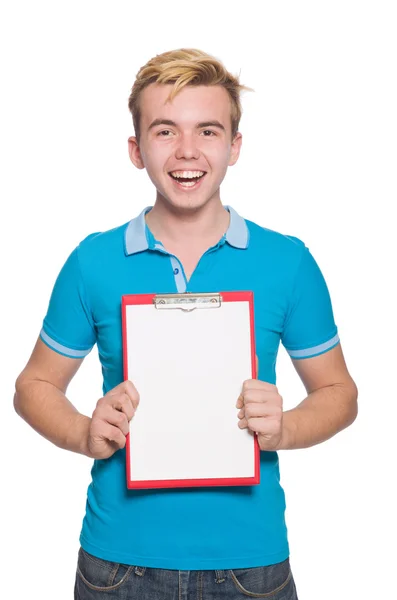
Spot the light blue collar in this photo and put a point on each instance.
(136, 239)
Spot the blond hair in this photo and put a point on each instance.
(186, 66)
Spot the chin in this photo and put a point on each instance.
(187, 202)
(190, 204)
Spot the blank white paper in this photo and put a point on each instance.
(188, 368)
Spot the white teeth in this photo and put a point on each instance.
(187, 174)
(187, 183)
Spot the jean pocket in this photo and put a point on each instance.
(262, 582)
(101, 575)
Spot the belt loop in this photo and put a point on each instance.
(219, 576)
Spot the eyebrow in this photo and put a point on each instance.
(198, 126)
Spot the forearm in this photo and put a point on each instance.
(51, 414)
(321, 415)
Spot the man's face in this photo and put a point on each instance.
(190, 138)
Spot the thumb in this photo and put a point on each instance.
(257, 365)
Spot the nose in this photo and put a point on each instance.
(187, 147)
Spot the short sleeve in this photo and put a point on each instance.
(68, 326)
(309, 327)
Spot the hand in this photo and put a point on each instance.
(261, 411)
(110, 420)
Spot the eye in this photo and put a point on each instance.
(164, 131)
(210, 132)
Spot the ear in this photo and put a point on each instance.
(235, 149)
(135, 153)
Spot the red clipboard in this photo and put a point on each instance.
(188, 355)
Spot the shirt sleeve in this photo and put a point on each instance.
(309, 326)
(68, 327)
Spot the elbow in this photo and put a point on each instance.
(353, 403)
(16, 404)
(18, 397)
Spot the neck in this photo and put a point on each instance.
(192, 227)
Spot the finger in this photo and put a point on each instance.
(257, 364)
(240, 401)
(115, 417)
(257, 384)
(245, 411)
(260, 425)
(118, 395)
(254, 410)
(113, 434)
(123, 403)
(259, 396)
(119, 402)
(264, 426)
(132, 392)
(128, 388)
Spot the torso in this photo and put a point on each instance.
(189, 265)
(189, 260)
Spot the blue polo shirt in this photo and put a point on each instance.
(225, 527)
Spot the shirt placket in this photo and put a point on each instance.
(180, 278)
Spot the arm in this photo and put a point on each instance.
(330, 406)
(40, 399)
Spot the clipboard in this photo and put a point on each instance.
(188, 355)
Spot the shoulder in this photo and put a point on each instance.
(98, 245)
(264, 236)
(282, 247)
(103, 240)
(100, 252)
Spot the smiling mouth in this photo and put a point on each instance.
(187, 179)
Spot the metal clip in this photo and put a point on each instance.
(187, 301)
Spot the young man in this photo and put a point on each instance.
(223, 542)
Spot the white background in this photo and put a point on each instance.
(318, 162)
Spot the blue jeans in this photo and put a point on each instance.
(98, 579)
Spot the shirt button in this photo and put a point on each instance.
(176, 271)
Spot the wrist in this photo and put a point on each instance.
(78, 435)
(287, 433)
